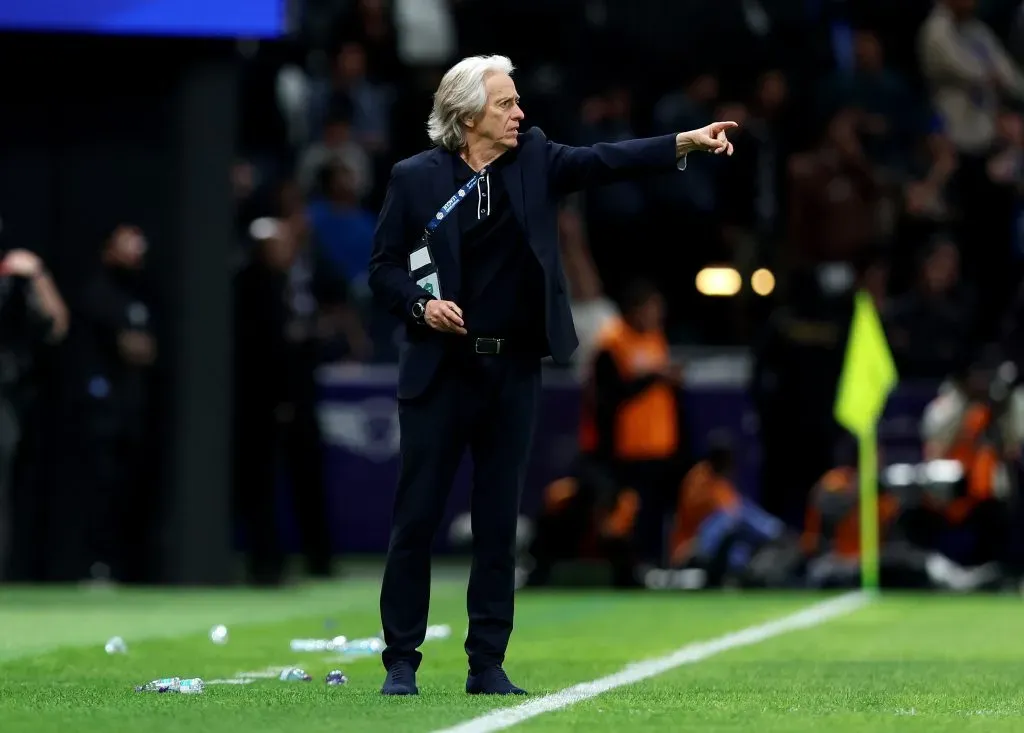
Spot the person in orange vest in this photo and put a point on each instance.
(983, 432)
(586, 515)
(831, 540)
(629, 451)
(630, 420)
(715, 526)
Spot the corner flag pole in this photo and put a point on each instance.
(868, 376)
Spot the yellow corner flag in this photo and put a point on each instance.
(865, 382)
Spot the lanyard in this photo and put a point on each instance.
(455, 200)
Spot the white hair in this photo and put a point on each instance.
(462, 95)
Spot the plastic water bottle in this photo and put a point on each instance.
(294, 674)
(116, 645)
(318, 645)
(193, 686)
(368, 646)
(165, 684)
(438, 631)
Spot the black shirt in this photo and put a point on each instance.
(502, 281)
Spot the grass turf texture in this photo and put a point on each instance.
(906, 663)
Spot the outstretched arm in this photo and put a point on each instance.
(574, 168)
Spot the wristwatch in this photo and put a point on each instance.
(419, 309)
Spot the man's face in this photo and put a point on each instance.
(351, 62)
(343, 183)
(942, 268)
(500, 118)
(868, 52)
(651, 315)
(128, 247)
(773, 90)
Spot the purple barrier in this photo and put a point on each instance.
(360, 426)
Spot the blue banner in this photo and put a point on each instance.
(196, 18)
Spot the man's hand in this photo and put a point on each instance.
(21, 263)
(444, 316)
(710, 138)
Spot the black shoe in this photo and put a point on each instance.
(401, 680)
(491, 681)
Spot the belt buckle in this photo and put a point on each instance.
(487, 346)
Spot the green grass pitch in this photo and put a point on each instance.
(901, 663)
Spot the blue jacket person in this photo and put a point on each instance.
(466, 253)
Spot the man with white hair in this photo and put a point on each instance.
(466, 253)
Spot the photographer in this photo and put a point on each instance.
(32, 313)
(976, 420)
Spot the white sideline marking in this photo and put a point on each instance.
(809, 617)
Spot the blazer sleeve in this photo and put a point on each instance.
(389, 278)
(572, 169)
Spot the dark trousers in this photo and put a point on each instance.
(487, 403)
(263, 442)
(656, 482)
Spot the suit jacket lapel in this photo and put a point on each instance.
(447, 235)
(512, 176)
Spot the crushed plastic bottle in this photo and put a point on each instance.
(116, 645)
(294, 674)
(336, 677)
(164, 684)
(318, 645)
(191, 686)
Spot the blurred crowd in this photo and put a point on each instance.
(881, 145)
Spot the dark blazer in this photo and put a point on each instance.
(539, 174)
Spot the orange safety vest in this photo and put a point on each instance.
(978, 458)
(846, 542)
(646, 426)
(701, 494)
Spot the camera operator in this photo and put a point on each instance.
(976, 420)
(32, 313)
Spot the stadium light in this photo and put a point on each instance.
(718, 281)
(762, 281)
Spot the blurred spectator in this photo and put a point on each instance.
(120, 349)
(352, 93)
(337, 146)
(965, 417)
(290, 307)
(834, 195)
(32, 314)
(369, 23)
(929, 328)
(342, 228)
(696, 190)
(968, 73)
(881, 94)
(592, 310)
(716, 528)
(907, 559)
(631, 412)
(683, 108)
(927, 196)
(426, 32)
(768, 138)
